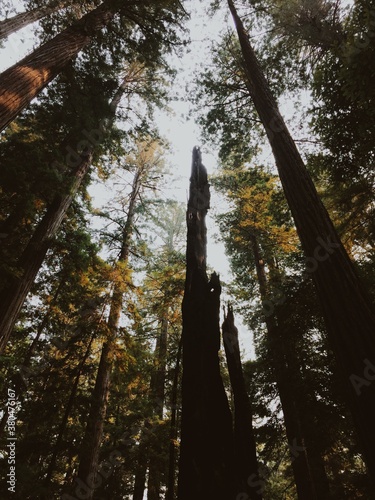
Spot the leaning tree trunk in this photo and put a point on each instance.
(308, 468)
(89, 456)
(207, 448)
(248, 481)
(20, 83)
(19, 21)
(14, 295)
(347, 310)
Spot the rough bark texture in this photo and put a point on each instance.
(248, 481)
(347, 310)
(19, 21)
(89, 457)
(207, 452)
(14, 295)
(308, 469)
(20, 83)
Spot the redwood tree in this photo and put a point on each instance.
(89, 456)
(23, 19)
(347, 310)
(20, 83)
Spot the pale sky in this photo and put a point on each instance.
(181, 132)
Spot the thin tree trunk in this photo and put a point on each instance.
(307, 467)
(173, 429)
(347, 310)
(207, 447)
(158, 395)
(14, 296)
(89, 457)
(20, 83)
(248, 481)
(140, 476)
(19, 21)
(68, 409)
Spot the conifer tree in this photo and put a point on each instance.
(345, 304)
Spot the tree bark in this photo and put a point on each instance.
(248, 481)
(89, 457)
(14, 295)
(23, 81)
(207, 448)
(23, 19)
(347, 310)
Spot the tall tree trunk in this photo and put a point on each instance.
(23, 81)
(248, 481)
(207, 448)
(89, 457)
(173, 429)
(14, 295)
(308, 469)
(19, 21)
(158, 396)
(347, 310)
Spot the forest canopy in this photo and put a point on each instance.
(130, 369)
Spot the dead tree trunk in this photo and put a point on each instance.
(207, 449)
(14, 295)
(248, 481)
(23, 19)
(347, 310)
(23, 81)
